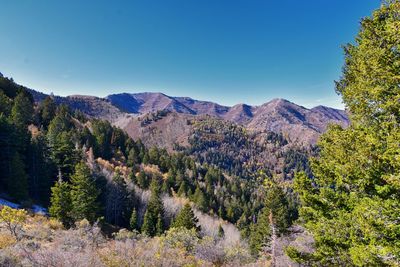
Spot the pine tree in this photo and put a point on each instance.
(60, 200)
(60, 142)
(260, 232)
(117, 204)
(133, 157)
(277, 203)
(200, 199)
(148, 226)
(351, 205)
(159, 225)
(47, 111)
(22, 110)
(186, 219)
(155, 210)
(182, 189)
(221, 232)
(40, 169)
(133, 220)
(17, 183)
(143, 180)
(5, 104)
(83, 194)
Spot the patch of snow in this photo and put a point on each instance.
(35, 208)
(4, 202)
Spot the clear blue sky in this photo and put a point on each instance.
(227, 51)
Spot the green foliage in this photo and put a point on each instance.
(143, 180)
(152, 223)
(47, 111)
(181, 238)
(118, 203)
(22, 110)
(200, 199)
(5, 104)
(83, 194)
(61, 204)
(260, 232)
(221, 232)
(186, 219)
(102, 131)
(351, 206)
(13, 219)
(17, 183)
(133, 220)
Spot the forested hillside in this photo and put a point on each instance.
(152, 180)
(85, 168)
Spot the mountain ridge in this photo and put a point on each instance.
(126, 110)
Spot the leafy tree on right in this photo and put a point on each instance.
(352, 204)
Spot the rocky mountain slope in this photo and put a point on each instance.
(136, 113)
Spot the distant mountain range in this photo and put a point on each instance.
(128, 111)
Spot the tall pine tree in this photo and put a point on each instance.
(352, 205)
(186, 219)
(152, 223)
(84, 194)
(60, 203)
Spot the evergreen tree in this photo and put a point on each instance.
(221, 232)
(40, 169)
(17, 183)
(159, 225)
(133, 220)
(182, 189)
(83, 194)
(186, 219)
(102, 131)
(118, 202)
(22, 110)
(133, 157)
(276, 202)
(154, 213)
(47, 111)
(260, 232)
(200, 199)
(60, 142)
(351, 205)
(5, 104)
(60, 200)
(143, 180)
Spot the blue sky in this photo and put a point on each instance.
(227, 51)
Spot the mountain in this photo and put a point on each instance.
(298, 123)
(136, 114)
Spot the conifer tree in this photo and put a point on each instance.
(17, 183)
(351, 205)
(47, 111)
(60, 207)
(117, 204)
(22, 110)
(182, 189)
(149, 225)
(159, 225)
(133, 220)
(5, 104)
(186, 219)
(221, 232)
(83, 194)
(143, 180)
(260, 232)
(200, 199)
(155, 210)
